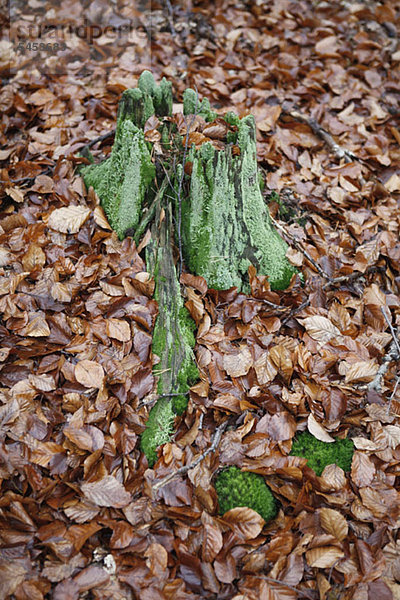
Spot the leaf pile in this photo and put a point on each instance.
(81, 515)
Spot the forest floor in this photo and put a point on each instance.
(81, 514)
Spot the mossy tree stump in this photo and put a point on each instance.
(214, 211)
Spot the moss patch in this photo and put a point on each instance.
(122, 180)
(225, 222)
(320, 454)
(239, 488)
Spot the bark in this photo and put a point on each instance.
(173, 337)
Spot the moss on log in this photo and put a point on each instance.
(173, 339)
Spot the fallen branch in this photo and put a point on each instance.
(393, 354)
(301, 593)
(316, 128)
(216, 438)
(329, 284)
(300, 248)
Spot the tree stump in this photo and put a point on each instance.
(212, 206)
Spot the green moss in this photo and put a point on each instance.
(225, 223)
(239, 488)
(159, 428)
(122, 181)
(192, 105)
(320, 454)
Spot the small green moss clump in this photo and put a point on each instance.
(159, 428)
(241, 488)
(320, 454)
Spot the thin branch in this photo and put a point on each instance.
(216, 438)
(393, 354)
(338, 151)
(392, 331)
(300, 248)
(101, 138)
(302, 593)
(329, 284)
(171, 17)
(392, 395)
(147, 217)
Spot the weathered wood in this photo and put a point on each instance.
(173, 337)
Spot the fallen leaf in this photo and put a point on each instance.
(89, 373)
(68, 219)
(107, 492)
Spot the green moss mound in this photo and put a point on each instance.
(159, 428)
(240, 488)
(320, 454)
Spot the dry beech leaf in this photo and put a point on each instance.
(323, 557)
(237, 365)
(212, 542)
(317, 430)
(362, 469)
(89, 373)
(107, 492)
(68, 219)
(100, 218)
(118, 329)
(37, 326)
(43, 383)
(246, 523)
(60, 291)
(320, 329)
(363, 370)
(35, 258)
(333, 522)
(393, 435)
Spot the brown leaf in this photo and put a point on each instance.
(68, 219)
(157, 559)
(225, 569)
(320, 329)
(118, 329)
(317, 430)
(362, 469)
(333, 522)
(239, 364)
(323, 557)
(246, 523)
(212, 542)
(35, 258)
(89, 373)
(106, 492)
(91, 577)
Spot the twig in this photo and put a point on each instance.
(147, 217)
(182, 470)
(171, 17)
(101, 138)
(392, 331)
(393, 354)
(326, 286)
(299, 247)
(302, 593)
(320, 132)
(392, 395)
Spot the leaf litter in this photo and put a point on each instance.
(80, 511)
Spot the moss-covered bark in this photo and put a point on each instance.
(225, 224)
(217, 212)
(173, 338)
